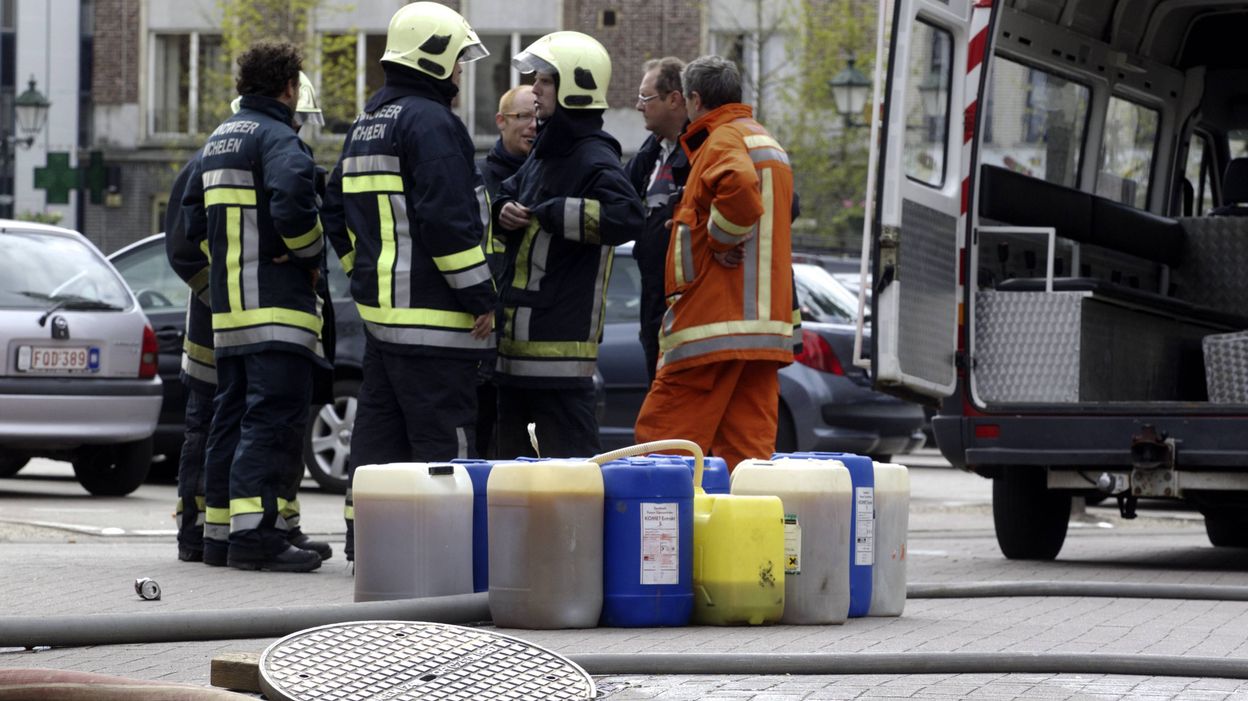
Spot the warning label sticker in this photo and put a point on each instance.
(864, 526)
(792, 545)
(660, 543)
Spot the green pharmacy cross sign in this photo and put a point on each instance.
(59, 179)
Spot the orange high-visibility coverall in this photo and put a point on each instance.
(727, 330)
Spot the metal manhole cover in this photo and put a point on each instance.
(396, 660)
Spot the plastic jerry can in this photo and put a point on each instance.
(738, 559)
(413, 531)
(862, 527)
(545, 544)
(479, 473)
(647, 543)
(818, 509)
(892, 523)
(714, 471)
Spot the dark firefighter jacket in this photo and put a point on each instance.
(583, 205)
(660, 199)
(495, 167)
(415, 213)
(190, 262)
(252, 197)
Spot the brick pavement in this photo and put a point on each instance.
(45, 573)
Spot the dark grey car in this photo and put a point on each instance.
(826, 403)
(162, 294)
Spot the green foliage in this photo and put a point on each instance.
(42, 217)
(338, 79)
(244, 22)
(829, 153)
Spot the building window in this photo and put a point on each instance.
(192, 84)
(490, 77)
(350, 71)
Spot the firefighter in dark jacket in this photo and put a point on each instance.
(517, 127)
(252, 198)
(412, 198)
(198, 374)
(658, 173)
(560, 214)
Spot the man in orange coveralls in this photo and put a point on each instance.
(729, 324)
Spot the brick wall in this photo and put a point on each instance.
(115, 78)
(644, 29)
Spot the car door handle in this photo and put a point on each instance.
(169, 333)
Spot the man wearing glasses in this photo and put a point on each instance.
(516, 131)
(658, 173)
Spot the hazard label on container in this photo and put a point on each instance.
(792, 545)
(864, 526)
(660, 543)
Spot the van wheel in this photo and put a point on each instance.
(1030, 520)
(11, 463)
(113, 470)
(327, 439)
(1226, 529)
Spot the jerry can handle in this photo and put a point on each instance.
(655, 446)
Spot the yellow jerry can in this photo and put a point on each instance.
(738, 559)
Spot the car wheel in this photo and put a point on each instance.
(327, 441)
(1030, 519)
(786, 433)
(11, 463)
(113, 470)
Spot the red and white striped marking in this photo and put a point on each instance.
(976, 55)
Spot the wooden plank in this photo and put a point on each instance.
(239, 671)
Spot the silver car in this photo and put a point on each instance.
(78, 373)
(826, 403)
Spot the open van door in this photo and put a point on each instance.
(922, 170)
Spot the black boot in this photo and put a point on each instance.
(299, 539)
(215, 552)
(291, 559)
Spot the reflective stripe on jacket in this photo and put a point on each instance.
(739, 192)
(582, 205)
(252, 197)
(415, 212)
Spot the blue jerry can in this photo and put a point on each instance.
(647, 543)
(479, 473)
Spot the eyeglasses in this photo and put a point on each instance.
(643, 99)
(522, 116)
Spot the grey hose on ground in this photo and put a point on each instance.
(230, 624)
(1114, 590)
(728, 663)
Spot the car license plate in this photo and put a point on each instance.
(58, 359)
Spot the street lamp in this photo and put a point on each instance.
(32, 113)
(850, 90)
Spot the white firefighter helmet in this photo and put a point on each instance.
(431, 38)
(583, 66)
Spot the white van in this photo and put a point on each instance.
(1057, 256)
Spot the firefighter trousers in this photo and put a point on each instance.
(259, 414)
(191, 501)
(728, 408)
(411, 408)
(567, 423)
